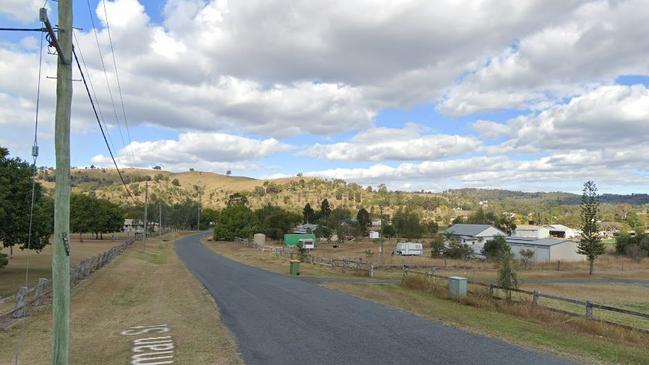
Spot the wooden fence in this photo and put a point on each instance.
(43, 289)
(534, 298)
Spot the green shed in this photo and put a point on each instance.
(292, 239)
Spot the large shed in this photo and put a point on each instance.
(545, 249)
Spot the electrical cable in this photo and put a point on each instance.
(101, 128)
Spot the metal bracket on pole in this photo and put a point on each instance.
(66, 244)
(51, 35)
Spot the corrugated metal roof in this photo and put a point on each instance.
(534, 241)
(467, 229)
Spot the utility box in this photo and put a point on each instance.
(259, 239)
(457, 286)
(294, 269)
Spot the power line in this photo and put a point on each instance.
(101, 128)
(119, 86)
(23, 29)
(33, 193)
(103, 66)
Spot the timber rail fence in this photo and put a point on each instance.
(610, 315)
(43, 289)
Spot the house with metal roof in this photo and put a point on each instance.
(545, 249)
(531, 232)
(474, 235)
(561, 231)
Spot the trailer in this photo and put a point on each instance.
(409, 249)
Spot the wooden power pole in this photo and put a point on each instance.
(146, 205)
(61, 248)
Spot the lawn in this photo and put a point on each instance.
(137, 288)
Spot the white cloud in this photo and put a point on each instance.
(378, 144)
(607, 117)
(489, 129)
(205, 151)
(22, 10)
(600, 41)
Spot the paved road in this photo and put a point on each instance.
(280, 320)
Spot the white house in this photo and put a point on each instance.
(531, 232)
(546, 249)
(561, 231)
(374, 235)
(474, 235)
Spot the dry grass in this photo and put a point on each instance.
(522, 307)
(40, 264)
(555, 334)
(136, 289)
(267, 260)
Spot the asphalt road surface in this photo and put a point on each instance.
(280, 320)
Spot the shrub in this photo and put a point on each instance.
(457, 250)
(3, 260)
(495, 248)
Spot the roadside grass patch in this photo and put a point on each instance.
(557, 335)
(135, 289)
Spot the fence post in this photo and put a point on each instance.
(559, 265)
(21, 299)
(38, 293)
(589, 309)
(535, 298)
(491, 290)
(370, 270)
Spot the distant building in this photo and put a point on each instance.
(561, 231)
(305, 228)
(531, 232)
(376, 224)
(133, 225)
(474, 235)
(374, 235)
(293, 239)
(546, 249)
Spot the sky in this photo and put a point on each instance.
(418, 95)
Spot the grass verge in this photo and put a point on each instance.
(555, 334)
(137, 288)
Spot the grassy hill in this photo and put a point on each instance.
(293, 193)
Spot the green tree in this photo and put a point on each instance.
(363, 219)
(325, 209)
(388, 231)
(526, 257)
(495, 248)
(308, 213)
(237, 199)
(456, 250)
(15, 204)
(590, 244)
(437, 245)
(208, 217)
(324, 232)
(507, 277)
(275, 221)
(235, 221)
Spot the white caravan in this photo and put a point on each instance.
(409, 249)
